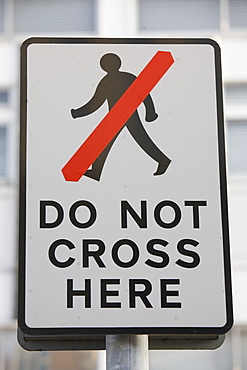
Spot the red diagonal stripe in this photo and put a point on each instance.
(112, 123)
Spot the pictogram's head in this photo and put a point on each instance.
(110, 62)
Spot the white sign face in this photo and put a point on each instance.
(123, 214)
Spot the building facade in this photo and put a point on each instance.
(225, 21)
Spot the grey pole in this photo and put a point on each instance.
(127, 352)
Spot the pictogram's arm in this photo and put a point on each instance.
(151, 115)
(92, 105)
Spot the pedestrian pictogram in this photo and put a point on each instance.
(124, 93)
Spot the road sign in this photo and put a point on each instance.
(123, 204)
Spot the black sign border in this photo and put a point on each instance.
(73, 332)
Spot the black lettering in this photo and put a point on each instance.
(156, 252)
(169, 293)
(60, 214)
(86, 253)
(106, 293)
(177, 214)
(92, 217)
(52, 253)
(195, 257)
(140, 220)
(84, 293)
(116, 248)
(142, 294)
(195, 204)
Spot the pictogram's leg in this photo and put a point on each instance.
(142, 138)
(97, 166)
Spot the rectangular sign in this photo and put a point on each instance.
(123, 200)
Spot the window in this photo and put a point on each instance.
(236, 93)
(3, 151)
(191, 15)
(237, 147)
(238, 14)
(236, 103)
(1, 16)
(4, 97)
(54, 16)
(179, 15)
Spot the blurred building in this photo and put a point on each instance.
(222, 20)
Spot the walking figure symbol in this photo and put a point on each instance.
(111, 88)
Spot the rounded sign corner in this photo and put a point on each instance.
(228, 326)
(26, 43)
(214, 44)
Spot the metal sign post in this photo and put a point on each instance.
(127, 352)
